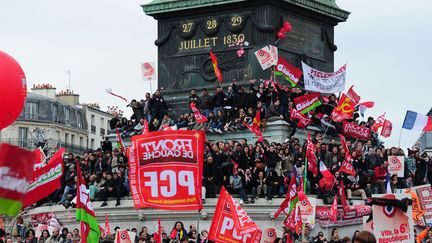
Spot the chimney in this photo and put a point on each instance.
(68, 97)
(44, 89)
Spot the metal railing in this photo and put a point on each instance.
(29, 144)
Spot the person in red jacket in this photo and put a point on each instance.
(380, 173)
(178, 232)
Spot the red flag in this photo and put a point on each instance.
(345, 147)
(307, 102)
(310, 155)
(387, 129)
(351, 129)
(289, 202)
(235, 165)
(256, 126)
(324, 171)
(333, 210)
(344, 110)
(378, 123)
(365, 105)
(216, 67)
(145, 129)
(289, 221)
(353, 95)
(157, 236)
(40, 158)
(348, 168)
(107, 229)
(90, 231)
(303, 122)
(16, 168)
(200, 118)
(343, 196)
(119, 141)
(226, 222)
(298, 221)
(46, 179)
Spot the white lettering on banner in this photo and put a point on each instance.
(307, 103)
(360, 131)
(10, 182)
(52, 174)
(281, 68)
(168, 148)
(315, 80)
(84, 197)
(228, 224)
(185, 179)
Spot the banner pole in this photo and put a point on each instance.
(304, 190)
(400, 136)
(197, 227)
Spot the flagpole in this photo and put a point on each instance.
(197, 227)
(304, 190)
(400, 136)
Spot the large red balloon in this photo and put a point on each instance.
(13, 90)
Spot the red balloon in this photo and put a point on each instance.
(281, 35)
(286, 26)
(301, 195)
(13, 90)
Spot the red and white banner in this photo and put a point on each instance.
(200, 118)
(16, 168)
(347, 168)
(308, 210)
(124, 236)
(269, 235)
(49, 219)
(392, 224)
(303, 122)
(424, 193)
(344, 110)
(266, 57)
(148, 70)
(307, 102)
(229, 218)
(311, 156)
(40, 158)
(379, 122)
(368, 225)
(355, 131)
(45, 179)
(288, 71)
(396, 165)
(352, 212)
(166, 170)
(387, 129)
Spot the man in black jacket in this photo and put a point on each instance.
(211, 172)
(218, 100)
(158, 106)
(110, 189)
(206, 103)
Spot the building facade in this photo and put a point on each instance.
(51, 120)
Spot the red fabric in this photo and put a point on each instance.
(302, 103)
(333, 210)
(378, 123)
(303, 122)
(200, 118)
(353, 95)
(45, 180)
(326, 183)
(16, 164)
(107, 229)
(347, 168)
(345, 147)
(166, 170)
(343, 196)
(255, 127)
(387, 128)
(428, 126)
(344, 110)
(145, 129)
(216, 69)
(298, 221)
(311, 156)
(292, 192)
(380, 173)
(368, 104)
(355, 131)
(119, 140)
(157, 236)
(225, 224)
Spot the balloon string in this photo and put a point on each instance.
(121, 97)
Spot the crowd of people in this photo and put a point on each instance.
(248, 170)
(177, 234)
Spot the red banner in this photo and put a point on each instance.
(45, 180)
(291, 73)
(303, 122)
(348, 168)
(307, 102)
(355, 131)
(16, 168)
(311, 156)
(225, 224)
(200, 118)
(166, 170)
(344, 110)
(352, 212)
(387, 129)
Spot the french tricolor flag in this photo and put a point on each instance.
(417, 122)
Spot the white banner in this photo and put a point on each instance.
(396, 165)
(315, 80)
(148, 71)
(267, 56)
(308, 210)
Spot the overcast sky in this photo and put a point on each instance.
(387, 45)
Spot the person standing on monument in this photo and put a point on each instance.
(218, 100)
(205, 103)
(158, 107)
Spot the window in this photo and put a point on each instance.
(22, 136)
(55, 112)
(80, 120)
(31, 111)
(81, 144)
(66, 138)
(72, 139)
(92, 143)
(102, 126)
(67, 115)
(92, 123)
